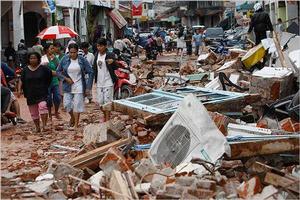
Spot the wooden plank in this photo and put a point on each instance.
(279, 51)
(263, 147)
(263, 168)
(131, 184)
(118, 184)
(89, 158)
(282, 181)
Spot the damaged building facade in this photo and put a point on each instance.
(190, 13)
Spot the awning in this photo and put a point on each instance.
(101, 3)
(117, 18)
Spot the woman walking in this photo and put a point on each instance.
(72, 69)
(52, 62)
(35, 81)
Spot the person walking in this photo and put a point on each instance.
(159, 44)
(73, 69)
(279, 28)
(90, 58)
(168, 43)
(22, 45)
(188, 42)
(58, 51)
(35, 81)
(180, 42)
(197, 39)
(10, 52)
(261, 23)
(21, 56)
(37, 47)
(105, 77)
(52, 62)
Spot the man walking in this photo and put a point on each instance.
(261, 23)
(197, 38)
(104, 66)
(90, 58)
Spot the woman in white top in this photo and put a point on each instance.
(73, 68)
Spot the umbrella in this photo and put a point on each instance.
(56, 32)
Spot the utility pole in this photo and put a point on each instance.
(79, 20)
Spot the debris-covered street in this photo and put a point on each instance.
(216, 117)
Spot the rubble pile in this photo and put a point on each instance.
(214, 130)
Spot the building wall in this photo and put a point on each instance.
(293, 10)
(282, 13)
(6, 29)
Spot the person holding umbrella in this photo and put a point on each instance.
(52, 62)
(73, 69)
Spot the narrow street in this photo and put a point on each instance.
(175, 100)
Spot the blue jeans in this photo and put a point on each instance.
(53, 96)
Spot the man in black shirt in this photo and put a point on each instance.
(10, 52)
(261, 23)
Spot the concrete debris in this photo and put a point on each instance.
(96, 180)
(95, 133)
(41, 187)
(224, 125)
(145, 169)
(46, 176)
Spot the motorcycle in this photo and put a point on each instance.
(8, 117)
(123, 88)
(14, 81)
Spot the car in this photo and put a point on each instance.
(213, 34)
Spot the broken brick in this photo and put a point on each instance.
(201, 193)
(231, 164)
(249, 188)
(289, 125)
(206, 184)
(113, 160)
(221, 121)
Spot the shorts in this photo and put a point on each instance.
(105, 94)
(38, 109)
(74, 102)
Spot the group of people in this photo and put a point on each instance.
(52, 76)
(179, 39)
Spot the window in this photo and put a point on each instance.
(145, 6)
